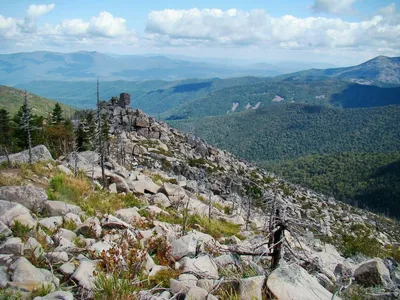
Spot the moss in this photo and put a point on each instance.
(163, 277)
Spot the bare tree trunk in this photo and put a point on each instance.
(27, 127)
(100, 137)
(210, 206)
(185, 217)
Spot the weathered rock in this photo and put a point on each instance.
(372, 273)
(162, 200)
(13, 246)
(84, 274)
(39, 153)
(31, 197)
(4, 230)
(184, 246)
(206, 284)
(99, 247)
(72, 217)
(58, 295)
(142, 186)
(65, 170)
(124, 100)
(34, 247)
(57, 257)
(174, 192)
(67, 269)
(9, 212)
(289, 282)
(65, 233)
(120, 183)
(51, 223)
(28, 277)
(177, 287)
(4, 277)
(90, 228)
(203, 266)
(196, 293)
(188, 279)
(128, 215)
(251, 288)
(60, 208)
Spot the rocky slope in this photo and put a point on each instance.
(182, 220)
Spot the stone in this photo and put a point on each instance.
(4, 230)
(51, 223)
(185, 246)
(99, 247)
(142, 121)
(206, 284)
(174, 192)
(251, 288)
(373, 272)
(31, 197)
(128, 215)
(157, 269)
(27, 276)
(57, 257)
(67, 269)
(188, 279)
(64, 245)
(13, 246)
(60, 208)
(289, 282)
(124, 100)
(39, 153)
(161, 200)
(9, 212)
(142, 186)
(90, 228)
(202, 265)
(4, 277)
(58, 295)
(202, 149)
(120, 183)
(196, 293)
(72, 217)
(65, 170)
(177, 287)
(83, 275)
(224, 260)
(113, 188)
(33, 246)
(65, 233)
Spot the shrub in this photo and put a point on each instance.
(362, 243)
(162, 277)
(113, 287)
(9, 294)
(42, 291)
(20, 230)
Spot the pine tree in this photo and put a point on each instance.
(4, 128)
(57, 115)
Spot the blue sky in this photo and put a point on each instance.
(311, 30)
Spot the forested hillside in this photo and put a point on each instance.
(11, 99)
(289, 131)
(367, 179)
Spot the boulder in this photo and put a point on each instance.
(251, 288)
(4, 230)
(34, 247)
(4, 277)
(90, 228)
(67, 269)
(161, 200)
(57, 257)
(84, 274)
(373, 272)
(58, 295)
(51, 223)
(289, 282)
(188, 279)
(27, 276)
(31, 197)
(203, 266)
(120, 183)
(13, 246)
(128, 215)
(174, 192)
(206, 284)
(142, 186)
(99, 247)
(65, 170)
(177, 287)
(39, 153)
(60, 208)
(65, 233)
(9, 212)
(184, 246)
(196, 293)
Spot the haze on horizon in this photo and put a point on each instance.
(339, 32)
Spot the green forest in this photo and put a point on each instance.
(370, 180)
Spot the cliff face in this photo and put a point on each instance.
(203, 224)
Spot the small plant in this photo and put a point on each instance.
(113, 287)
(160, 250)
(42, 291)
(20, 230)
(9, 294)
(69, 224)
(162, 277)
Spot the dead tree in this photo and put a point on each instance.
(26, 126)
(100, 136)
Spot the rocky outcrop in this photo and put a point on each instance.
(373, 273)
(39, 153)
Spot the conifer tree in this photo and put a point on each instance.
(57, 115)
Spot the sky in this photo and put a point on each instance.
(341, 32)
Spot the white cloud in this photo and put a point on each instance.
(107, 26)
(334, 6)
(214, 27)
(35, 11)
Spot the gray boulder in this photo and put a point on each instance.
(4, 277)
(373, 272)
(60, 208)
(31, 197)
(39, 153)
(84, 274)
(13, 246)
(289, 282)
(10, 212)
(4, 230)
(174, 192)
(251, 288)
(51, 223)
(128, 215)
(90, 228)
(58, 295)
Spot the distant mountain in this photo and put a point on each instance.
(12, 99)
(382, 69)
(20, 68)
